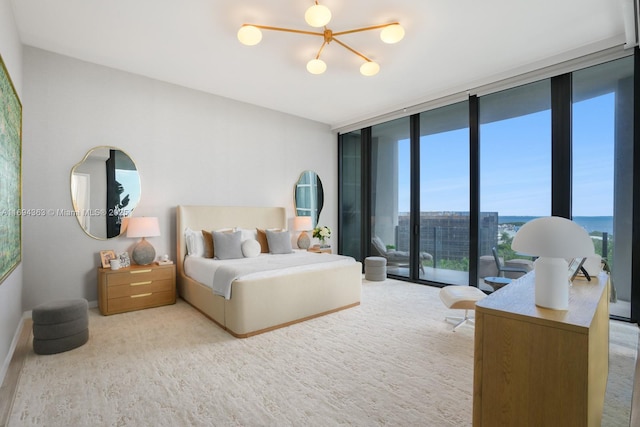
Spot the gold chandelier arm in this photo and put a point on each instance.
(351, 49)
(321, 48)
(357, 30)
(287, 30)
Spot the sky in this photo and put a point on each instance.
(515, 164)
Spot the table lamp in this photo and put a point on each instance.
(552, 239)
(303, 224)
(143, 253)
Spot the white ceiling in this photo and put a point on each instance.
(450, 46)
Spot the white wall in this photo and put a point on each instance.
(11, 288)
(190, 148)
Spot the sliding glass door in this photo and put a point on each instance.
(602, 182)
(444, 195)
(391, 194)
(515, 171)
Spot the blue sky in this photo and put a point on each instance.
(515, 157)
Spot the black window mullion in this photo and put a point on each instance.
(366, 178)
(414, 218)
(561, 164)
(474, 188)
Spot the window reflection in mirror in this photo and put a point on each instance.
(309, 196)
(105, 188)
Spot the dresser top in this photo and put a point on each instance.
(517, 300)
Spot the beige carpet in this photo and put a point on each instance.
(391, 361)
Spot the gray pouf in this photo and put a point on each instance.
(60, 325)
(375, 268)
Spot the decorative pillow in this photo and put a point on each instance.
(208, 243)
(279, 242)
(251, 248)
(247, 234)
(194, 241)
(261, 237)
(209, 247)
(227, 245)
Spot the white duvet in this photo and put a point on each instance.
(219, 274)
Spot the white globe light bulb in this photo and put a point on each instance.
(369, 69)
(316, 66)
(249, 35)
(317, 16)
(392, 33)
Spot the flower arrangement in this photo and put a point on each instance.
(322, 233)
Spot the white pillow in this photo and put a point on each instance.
(195, 242)
(251, 248)
(247, 234)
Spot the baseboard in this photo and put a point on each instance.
(13, 367)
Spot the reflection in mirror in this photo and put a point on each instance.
(105, 189)
(309, 196)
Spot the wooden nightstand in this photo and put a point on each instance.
(136, 287)
(319, 250)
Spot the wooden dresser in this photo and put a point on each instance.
(540, 367)
(136, 287)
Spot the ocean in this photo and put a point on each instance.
(590, 223)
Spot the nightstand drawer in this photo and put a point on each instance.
(136, 287)
(141, 287)
(139, 275)
(142, 300)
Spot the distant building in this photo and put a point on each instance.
(445, 235)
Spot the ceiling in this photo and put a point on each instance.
(450, 46)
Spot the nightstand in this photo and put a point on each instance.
(136, 287)
(319, 250)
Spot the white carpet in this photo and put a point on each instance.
(390, 361)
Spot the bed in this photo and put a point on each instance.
(260, 304)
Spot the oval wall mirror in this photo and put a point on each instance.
(105, 189)
(309, 196)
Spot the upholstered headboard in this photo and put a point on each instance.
(218, 217)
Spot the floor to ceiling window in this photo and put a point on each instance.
(444, 194)
(351, 194)
(515, 170)
(391, 194)
(440, 192)
(602, 168)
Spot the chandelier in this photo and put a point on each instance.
(318, 16)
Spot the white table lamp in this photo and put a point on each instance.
(303, 224)
(553, 239)
(143, 253)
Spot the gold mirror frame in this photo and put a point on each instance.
(105, 189)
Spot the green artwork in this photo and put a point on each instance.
(10, 175)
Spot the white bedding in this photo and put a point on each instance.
(204, 270)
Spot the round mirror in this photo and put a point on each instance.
(105, 189)
(309, 196)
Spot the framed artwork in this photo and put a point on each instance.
(105, 257)
(11, 173)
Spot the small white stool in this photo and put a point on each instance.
(461, 297)
(375, 268)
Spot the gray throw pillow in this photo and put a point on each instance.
(228, 245)
(279, 242)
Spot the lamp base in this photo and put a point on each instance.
(304, 241)
(552, 283)
(143, 253)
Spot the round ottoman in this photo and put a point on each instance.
(60, 325)
(375, 268)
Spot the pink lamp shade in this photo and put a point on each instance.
(303, 224)
(143, 253)
(145, 226)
